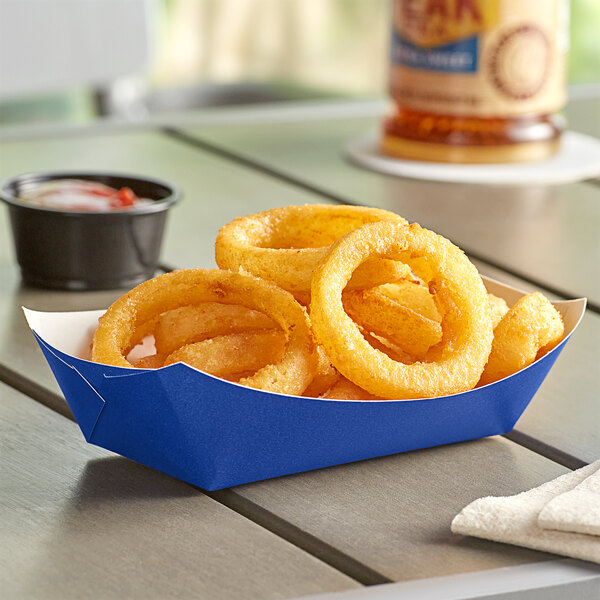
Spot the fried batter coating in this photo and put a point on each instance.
(467, 326)
(382, 315)
(291, 375)
(233, 353)
(529, 329)
(197, 322)
(325, 377)
(498, 309)
(414, 295)
(343, 389)
(285, 245)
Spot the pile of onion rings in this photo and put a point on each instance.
(333, 302)
(149, 300)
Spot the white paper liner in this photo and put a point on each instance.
(577, 159)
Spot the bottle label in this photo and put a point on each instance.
(498, 58)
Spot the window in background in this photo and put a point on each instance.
(330, 46)
(218, 52)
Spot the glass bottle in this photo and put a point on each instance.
(477, 81)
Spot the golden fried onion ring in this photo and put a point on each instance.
(459, 292)
(343, 389)
(285, 245)
(531, 327)
(232, 353)
(152, 361)
(324, 378)
(498, 308)
(382, 315)
(413, 295)
(197, 322)
(191, 286)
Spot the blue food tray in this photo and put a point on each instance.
(216, 434)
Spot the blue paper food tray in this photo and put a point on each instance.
(217, 434)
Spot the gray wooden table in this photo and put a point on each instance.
(79, 521)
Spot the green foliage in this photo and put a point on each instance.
(584, 54)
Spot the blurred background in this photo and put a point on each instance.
(74, 61)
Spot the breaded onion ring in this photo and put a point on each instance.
(343, 389)
(382, 315)
(142, 331)
(152, 361)
(531, 327)
(387, 347)
(169, 291)
(232, 353)
(325, 376)
(285, 245)
(459, 292)
(197, 322)
(498, 308)
(413, 295)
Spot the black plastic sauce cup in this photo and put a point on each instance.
(88, 250)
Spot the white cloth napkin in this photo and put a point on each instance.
(561, 516)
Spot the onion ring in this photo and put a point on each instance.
(413, 295)
(343, 389)
(232, 353)
(197, 322)
(169, 291)
(152, 361)
(530, 328)
(387, 347)
(324, 378)
(460, 293)
(382, 315)
(498, 308)
(141, 332)
(285, 245)
(416, 296)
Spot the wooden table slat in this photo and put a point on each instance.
(394, 513)
(80, 522)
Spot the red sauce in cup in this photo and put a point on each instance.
(81, 196)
